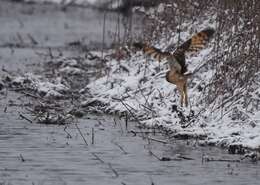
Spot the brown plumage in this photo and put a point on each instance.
(176, 75)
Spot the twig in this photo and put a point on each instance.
(229, 99)
(121, 128)
(193, 118)
(120, 147)
(148, 108)
(133, 132)
(113, 170)
(25, 118)
(162, 158)
(157, 140)
(20, 38)
(68, 134)
(92, 136)
(144, 132)
(22, 158)
(183, 157)
(5, 109)
(33, 41)
(97, 157)
(50, 53)
(222, 160)
(126, 121)
(103, 35)
(146, 99)
(199, 67)
(31, 95)
(103, 162)
(151, 153)
(81, 134)
(132, 114)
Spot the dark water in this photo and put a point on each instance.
(41, 154)
(37, 154)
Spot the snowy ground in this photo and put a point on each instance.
(152, 99)
(143, 90)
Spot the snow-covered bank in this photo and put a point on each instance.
(43, 87)
(137, 85)
(143, 90)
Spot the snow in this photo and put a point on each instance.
(70, 70)
(145, 92)
(42, 86)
